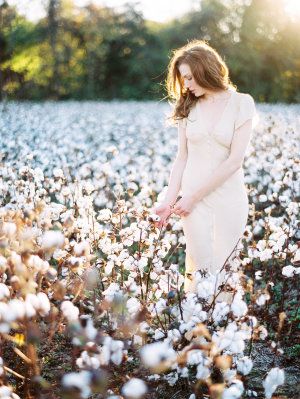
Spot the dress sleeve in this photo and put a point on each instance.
(246, 111)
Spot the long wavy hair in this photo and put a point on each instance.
(208, 70)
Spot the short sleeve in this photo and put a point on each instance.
(246, 111)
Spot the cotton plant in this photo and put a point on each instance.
(80, 252)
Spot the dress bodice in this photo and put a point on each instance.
(237, 109)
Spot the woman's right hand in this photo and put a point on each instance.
(163, 211)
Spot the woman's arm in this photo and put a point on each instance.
(178, 167)
(240, 141)
(164, 209)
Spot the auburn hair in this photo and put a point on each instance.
(208, 70)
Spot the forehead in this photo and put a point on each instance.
(184, 70)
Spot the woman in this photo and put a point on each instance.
(214, 128)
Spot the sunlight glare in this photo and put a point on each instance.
(292, 7)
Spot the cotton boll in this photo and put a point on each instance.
(238, 306)
(206, 286)
(70, 311)
(4, 291)
(153, 354)
(174, 335)
(244, 365)
(6, 392)
(112, 350)
(274, 378)
(261, 300)
(258, 275)
(87, 361)
(16, 309)
(220, 311)
(82, 248)
(104, 215)
(38, 264)
(79, 380)
(230, 339)
(117, 352)
(159, 334)
(88, 327)
(112, 291)
(290, 271)
(194, 357)
(134, 388)
(44, 304)
(29, 309)
(160, 306)
(3, 264)
(235, 390)
(203, 372)
(133, 306)
(52, 239)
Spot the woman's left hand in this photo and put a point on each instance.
(184, 206)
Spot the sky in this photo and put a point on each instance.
(156, 10)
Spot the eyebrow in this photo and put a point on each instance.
(188, 74)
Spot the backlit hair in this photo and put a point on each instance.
(208, 70)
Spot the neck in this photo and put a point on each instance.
(215, 95)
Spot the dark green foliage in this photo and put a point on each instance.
(97, 52)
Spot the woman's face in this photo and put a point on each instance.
(189, 81)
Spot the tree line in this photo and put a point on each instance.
(97, 52)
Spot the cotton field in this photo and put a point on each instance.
(91, 291)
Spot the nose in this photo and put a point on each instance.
(186, 85)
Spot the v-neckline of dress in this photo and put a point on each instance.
(199, 112)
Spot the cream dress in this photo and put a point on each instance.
(216, 224)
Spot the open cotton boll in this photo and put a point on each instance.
(16, 309)
(104, 215)
(134, 388)
(290, 271)
(153, 354)
(230, 339)
(238, 307)
(235, 390)
(70, 311)
(87, 361)
(4, 291)
(133, 306)
(3, 264)
(275, 377)
(9, 229)
(52, 239)
(81, 248)
(79, 380)
(244, 365)
(112, 350)
(7, 393)
(44, 304)
(261, 300)
(221, 310)
(206, 286)
(38, 264)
